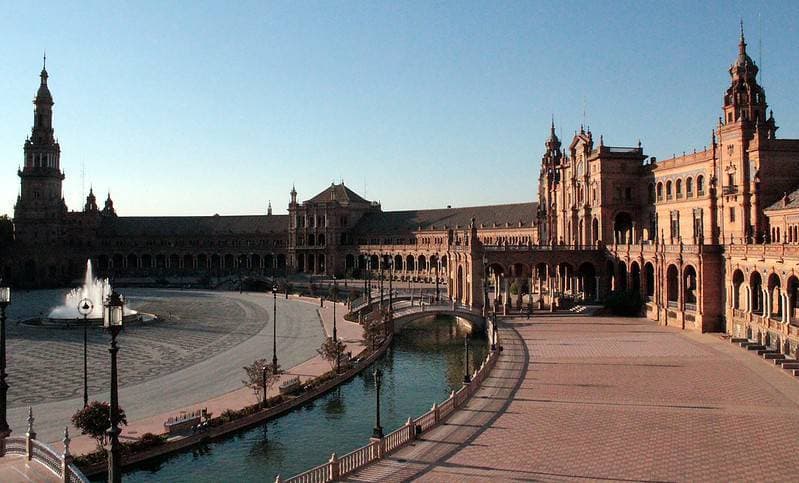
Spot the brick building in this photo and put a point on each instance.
(709, 239)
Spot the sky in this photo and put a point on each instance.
(198, 108)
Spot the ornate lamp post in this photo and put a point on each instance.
(368, 280)
(5, 431)
(466, 377)
(390, 285)
(335, 299)
(112, 321)
(378, 429)
(85, 307)
(274, 329)
(380, 264)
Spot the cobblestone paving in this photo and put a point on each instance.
(46, 364)
(625, 400)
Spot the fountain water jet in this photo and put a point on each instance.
(93, 289)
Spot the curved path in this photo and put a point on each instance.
(616, 400)
(195, 355)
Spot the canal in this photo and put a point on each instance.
(424, 364)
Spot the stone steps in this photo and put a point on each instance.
(779, 359)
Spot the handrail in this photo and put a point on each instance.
(336, 467)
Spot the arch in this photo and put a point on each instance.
(320, 240)
(188, 262)
(119, 261)
(174, 261)
(737, 285)
(133, 261)
(202, 261)
(668, 189)
(397, 263)
(678, 187)
(361, 262)
(775, 296)
(229, 262)
(518, 270)
(422, 263)
(689, 187)
(146, 261)
(373, 262)
(635, 275)
(594, 231)
(241, 261)
(649, 280)
(281, 261)
(216, 261)
(622, 227)
(792, 291)
(690, 288)
(444, 262)
(349, 262)
(660, 190)
(622, 279)
(255, 262)
(672, 284)
(700, 185)
(103, 262)
(409, 263)
(310, 263)
(586, 274)
(269, 261)
(756, 287)
(160, 261)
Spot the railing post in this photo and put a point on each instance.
(30, 435)
(377, 448)
(454, 401)
(411, 429)
(66, 457)
(436, 412)
(334, 468)
(278, 479)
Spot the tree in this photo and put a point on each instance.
(331, 351)
(95, 419)
(254, 378)
(372, 332)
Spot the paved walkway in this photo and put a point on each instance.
(18, 468)
(616, 400)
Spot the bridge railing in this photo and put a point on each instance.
(34, 450)
(377, 449)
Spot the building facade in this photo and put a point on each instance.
(709, 239)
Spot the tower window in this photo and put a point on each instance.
(732, 213)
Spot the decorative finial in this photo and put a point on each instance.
(44, 60)
(66, 442)
(30, 419)
(742, 29)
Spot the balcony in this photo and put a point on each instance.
(729, 190)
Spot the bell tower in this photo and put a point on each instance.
(40, 202)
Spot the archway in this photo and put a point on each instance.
(459, 290)
(635, 275)
(775, 296)
(689, 287)
(792, 292)
(649, 280)
(756, 289)
(737, 286)
(672, 285)
(622, 227)
(594, 231)
(587, 280)
(623, 276)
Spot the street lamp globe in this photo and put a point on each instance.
(112, 315)
(5, 295)
(274, 289)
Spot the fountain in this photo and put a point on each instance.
(94, 289)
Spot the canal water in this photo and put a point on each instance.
(424, 364)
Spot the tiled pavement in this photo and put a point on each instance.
(623, 400)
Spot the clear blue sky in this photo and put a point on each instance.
(202, 108)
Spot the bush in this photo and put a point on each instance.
(94, 420)
(625, 304)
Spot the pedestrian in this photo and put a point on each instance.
(529, 311)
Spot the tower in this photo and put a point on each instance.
(40, 203)
(548, 181)
(743, 132)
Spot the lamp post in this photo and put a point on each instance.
(369, 280)
(335, 299)
(274, 329)
(380, 264)
(390, 285)
(85, 307)
(378, 429)
(466, 377)
(5, 431)
(112, 321)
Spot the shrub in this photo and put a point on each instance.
(94, 420)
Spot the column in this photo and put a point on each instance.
(596, 295)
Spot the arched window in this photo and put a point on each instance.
(660, 191)
(689, 187)
(700, 185)
(668, 190)
(678, 188)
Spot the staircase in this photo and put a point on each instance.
(778, 358)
